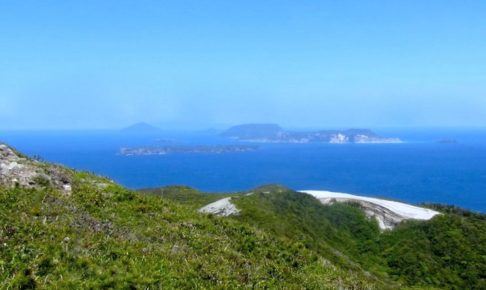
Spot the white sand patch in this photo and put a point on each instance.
(222, 207)
(388, 213)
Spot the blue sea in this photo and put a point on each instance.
(419, 170)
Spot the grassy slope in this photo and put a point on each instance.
(104, 236)
(447, 252)
(185, 195)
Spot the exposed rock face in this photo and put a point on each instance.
(338, 139)
(222, 207)
(17, 170)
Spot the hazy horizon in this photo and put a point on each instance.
(194, 128)
(332, 64)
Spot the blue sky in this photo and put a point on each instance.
(198, 64)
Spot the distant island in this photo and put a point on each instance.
(273, 133)
(141, 128)
(143, 151)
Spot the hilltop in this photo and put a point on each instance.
(61, 228)
(141, 128)
(254, 131)
(273, 133)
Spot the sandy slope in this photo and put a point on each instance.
(389, 213)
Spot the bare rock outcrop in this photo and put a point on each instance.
(21, 171)
(222, 207)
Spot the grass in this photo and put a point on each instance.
(448, 251)
(105, 236)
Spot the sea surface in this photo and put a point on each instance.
(417, 171)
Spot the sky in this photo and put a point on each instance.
(200, 64)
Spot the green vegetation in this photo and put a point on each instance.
(104, 236)
(99, 235)
(448, 251)
(331, 230)
(185, 195)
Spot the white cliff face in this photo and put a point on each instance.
(339, 139)
(388, 213)
(222, 207)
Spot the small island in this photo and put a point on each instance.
(144, 151)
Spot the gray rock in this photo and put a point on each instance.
(17, 170)
(222, 207)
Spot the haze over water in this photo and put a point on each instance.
(420, 170)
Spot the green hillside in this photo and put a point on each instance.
(101, 235)
(61, 229)
(447, 252)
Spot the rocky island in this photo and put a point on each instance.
(273, 133)
(143, 151)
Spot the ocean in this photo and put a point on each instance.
(417, 171)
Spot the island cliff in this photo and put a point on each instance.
(273, 133)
